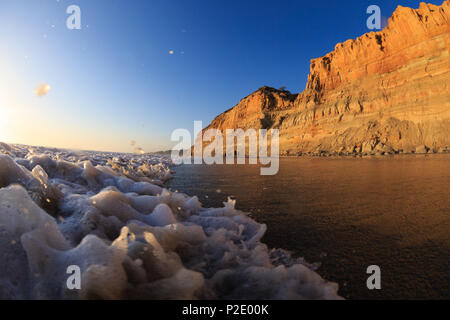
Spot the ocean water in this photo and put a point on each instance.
(347, 214)
(110, 217)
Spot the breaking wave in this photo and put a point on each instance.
(110, 215)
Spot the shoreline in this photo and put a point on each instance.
(361, 154)
(365, 156)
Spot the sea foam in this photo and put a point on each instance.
(110, 215)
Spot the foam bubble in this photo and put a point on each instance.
(42, 89)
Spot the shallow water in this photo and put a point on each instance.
(348, 214)
(130, 238)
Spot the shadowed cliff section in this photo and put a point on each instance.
(384, 92)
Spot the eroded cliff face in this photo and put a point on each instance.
(256, 110)
(386, 91)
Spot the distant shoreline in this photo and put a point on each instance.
(360, 155)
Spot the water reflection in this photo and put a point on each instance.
(348, 213)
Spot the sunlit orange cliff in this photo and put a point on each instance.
(385, 92)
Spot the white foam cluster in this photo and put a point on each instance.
(132, 239)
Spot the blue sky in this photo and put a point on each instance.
(115, 80)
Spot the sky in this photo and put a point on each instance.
(138, 70)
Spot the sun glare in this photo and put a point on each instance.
(3, 125)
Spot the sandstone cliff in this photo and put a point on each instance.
(384, 92)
